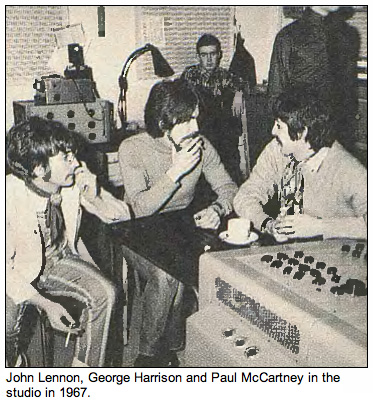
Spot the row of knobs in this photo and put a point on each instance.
(239, 342)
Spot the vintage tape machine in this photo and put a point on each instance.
(93, 120)
(77, 85)
(61, 90)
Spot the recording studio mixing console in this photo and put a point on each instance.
(301, 304)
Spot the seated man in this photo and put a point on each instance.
(220, 93)
(161, 169)
(44, 195)
(322, 188)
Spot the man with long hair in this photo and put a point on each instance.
(44, 195)
(321, 187)
(161, 169)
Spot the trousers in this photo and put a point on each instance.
(71, 277)
(163, 318)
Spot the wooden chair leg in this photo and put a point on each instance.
(125, 306)
(137, 282)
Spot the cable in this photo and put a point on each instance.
(84, 102)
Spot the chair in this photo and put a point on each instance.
(35, 345)
(17, 352)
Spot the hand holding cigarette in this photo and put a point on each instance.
(67, 340)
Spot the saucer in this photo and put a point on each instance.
(226, 237)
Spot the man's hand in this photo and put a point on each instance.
(185, 159)
(86, 181)
(299, 226)
(55, 313)
(238, 105)
(207, 218)
(271, 228)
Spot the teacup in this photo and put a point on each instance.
(239, 228)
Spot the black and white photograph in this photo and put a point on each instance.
(186, 187)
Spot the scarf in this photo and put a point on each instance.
(54, 217)
(292, 187)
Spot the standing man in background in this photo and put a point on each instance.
(320, 50)
(221, 102)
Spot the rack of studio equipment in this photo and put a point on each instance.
(72, 100)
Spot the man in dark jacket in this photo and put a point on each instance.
(320, 49)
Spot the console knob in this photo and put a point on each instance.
(251, 351)
(228, 333)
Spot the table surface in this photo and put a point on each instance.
(173, 243)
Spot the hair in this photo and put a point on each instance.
(300, 108)
(169, 103)
(31, 143)
(209, 40)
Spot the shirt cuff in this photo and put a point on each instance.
(222, 208)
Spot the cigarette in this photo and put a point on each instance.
(191, 135)
(68, 336)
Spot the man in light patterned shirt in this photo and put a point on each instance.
(329, 186)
